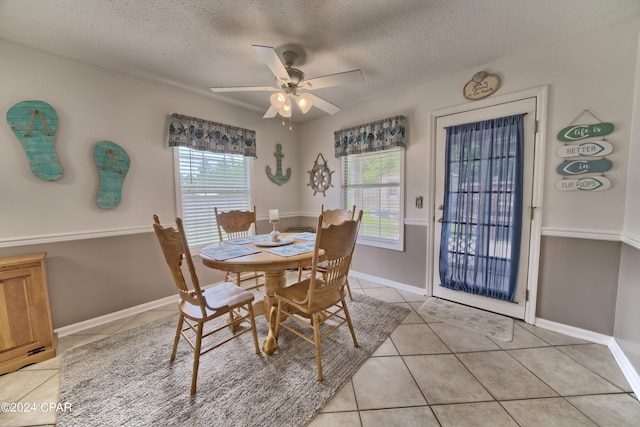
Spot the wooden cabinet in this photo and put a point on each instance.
(26, 331)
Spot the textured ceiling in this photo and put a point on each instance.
(197, 44)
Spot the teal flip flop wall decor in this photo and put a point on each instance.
(35, 124)
(113, 164)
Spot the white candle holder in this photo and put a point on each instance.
(274, 218)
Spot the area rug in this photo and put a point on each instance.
(483, 322)
(127, 379)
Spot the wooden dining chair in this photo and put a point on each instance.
(198, 306)
(336, 216)
(314, 301)
(333, 216)
(236, 224)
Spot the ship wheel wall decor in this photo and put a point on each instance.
(320, 176)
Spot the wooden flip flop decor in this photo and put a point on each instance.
(577, 132)
(35, 124)
(113, 164)
(577, 167)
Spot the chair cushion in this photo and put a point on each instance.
(220, 298)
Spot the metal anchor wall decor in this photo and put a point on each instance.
(278, 178)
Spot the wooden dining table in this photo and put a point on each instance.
(274, 268)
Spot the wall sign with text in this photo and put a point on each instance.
(583, 153)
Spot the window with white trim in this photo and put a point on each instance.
(205, 180)
(374, 182)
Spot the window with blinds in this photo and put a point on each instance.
(206, 180)
(374, 183)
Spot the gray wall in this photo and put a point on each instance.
(627, 327)
(94, 277)
(578, 282)
(408, 267)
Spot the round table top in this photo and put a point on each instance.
(261, 261)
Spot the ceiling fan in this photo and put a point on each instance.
(292, 86)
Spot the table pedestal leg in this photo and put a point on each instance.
(272, 282)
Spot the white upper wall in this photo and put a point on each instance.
(594, 72)
(95, 104)
(632, 211)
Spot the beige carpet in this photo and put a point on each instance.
(127, 380)
(483, 322)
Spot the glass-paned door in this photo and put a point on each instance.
(482, 215)
(484, 176)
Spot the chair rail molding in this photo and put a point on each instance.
(68, 237)
(631, 240)
(577, 233)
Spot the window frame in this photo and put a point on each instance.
(378, 242)
(178, 190)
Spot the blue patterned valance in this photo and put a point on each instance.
(204, 135)
(375, 136)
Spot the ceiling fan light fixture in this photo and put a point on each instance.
(286, 110)
(304, 102)
(278, 100)
(284, 113)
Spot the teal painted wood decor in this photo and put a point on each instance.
(35, 124)
(113, 164)
(577, 167)
(278, 178)
(587, 183)
(586, 149)
(576, 132)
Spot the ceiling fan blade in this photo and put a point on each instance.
(271, 112)
(325, 106)
(346, 78)
(271, 58)
(244, 89)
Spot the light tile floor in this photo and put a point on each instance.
(427, 373)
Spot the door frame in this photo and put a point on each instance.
(540, 93)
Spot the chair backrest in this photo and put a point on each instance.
(337, 242)
(175, 249)
(336, 216)
(236, 223)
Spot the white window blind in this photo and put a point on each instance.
(207, 180)
(374, 182)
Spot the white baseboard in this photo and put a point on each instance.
(390, 283)
(572, 331)
(625, 365)
(117, 315)
(627, 368)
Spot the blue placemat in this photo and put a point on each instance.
(293, 250)
(305, 236)
(221, 253)
(249, 239)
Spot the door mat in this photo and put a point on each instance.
(480, 321)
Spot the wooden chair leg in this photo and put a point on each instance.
(232, 317)
(253, 327)
(276, 329)
(196, 358)
(349, 290)
(348, 317)
(315, 320)
(177, 338)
